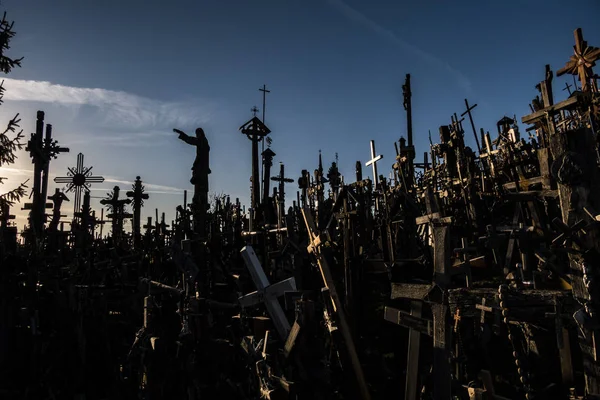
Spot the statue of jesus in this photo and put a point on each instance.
(200, 169)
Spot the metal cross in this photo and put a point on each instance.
(567, 87)
(266, 292)
(78, 179)
(373, 162)
(254, 111)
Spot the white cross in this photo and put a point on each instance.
(266, 292)
(373, 162)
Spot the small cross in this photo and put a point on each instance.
(373, 162)
(254, 111)
(457, 318)
(568, 88)
(265, 91)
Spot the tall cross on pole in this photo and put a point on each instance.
(373, 162)
(262, 143)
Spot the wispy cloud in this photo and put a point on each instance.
(152, 187)
(359, 18)
(115, 109)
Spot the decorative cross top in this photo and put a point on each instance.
(138, 196)
(266, 292)
(581, 62)
(117, 208)
(78, 179)
(373, 162)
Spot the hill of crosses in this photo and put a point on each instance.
(466, 273)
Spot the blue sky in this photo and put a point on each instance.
(115, 76)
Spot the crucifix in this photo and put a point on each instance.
(138, 196)
(373, 163)
(57, 199)
(468, 112)
(78, 179)
(581, 63)
(266, 292)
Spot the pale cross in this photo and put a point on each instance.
(373, 162)
(266, 292)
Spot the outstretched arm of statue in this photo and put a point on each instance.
(185, 138)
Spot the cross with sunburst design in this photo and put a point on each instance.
(78, 179)
(581, 63)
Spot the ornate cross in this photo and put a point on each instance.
(138, 196)
(373, 162)
(117, 208)
(581, 62)
(78, 179)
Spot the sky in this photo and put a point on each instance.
(114, 77)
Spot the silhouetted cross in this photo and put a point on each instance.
(77, 179)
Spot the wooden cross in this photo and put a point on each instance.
(78, 179)
(315, 247)
(468, 112)
(581, 62)
(373, 162)
(266, 292)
